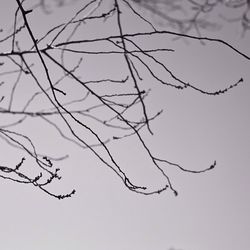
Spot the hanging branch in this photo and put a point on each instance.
(42, 61)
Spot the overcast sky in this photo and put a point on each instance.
(211, 211)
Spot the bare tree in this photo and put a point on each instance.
(42, 70)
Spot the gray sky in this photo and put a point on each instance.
(212, 209)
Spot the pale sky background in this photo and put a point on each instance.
(212, 209)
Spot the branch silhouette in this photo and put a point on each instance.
(41, 58)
